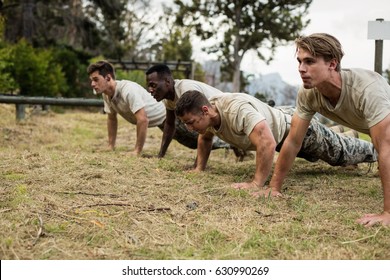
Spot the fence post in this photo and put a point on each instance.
(20, 111)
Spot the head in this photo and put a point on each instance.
(159, 82)
(317, 55)
(101, 74)
(193, 109)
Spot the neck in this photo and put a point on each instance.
(215, 118)
(331, 89)
(111, 89)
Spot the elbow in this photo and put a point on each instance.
(272, 145)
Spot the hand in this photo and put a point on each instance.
(108, 148)
(133, 153)
(268, 192)
(245, 186)
(192, 169)
(369, 220)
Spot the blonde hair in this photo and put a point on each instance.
(323, 45)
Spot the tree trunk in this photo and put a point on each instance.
(28, 19)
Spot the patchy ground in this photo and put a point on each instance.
(64, 196)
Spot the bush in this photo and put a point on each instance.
(34, 71)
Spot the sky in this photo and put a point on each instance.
(347, 20)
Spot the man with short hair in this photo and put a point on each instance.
(163, 87)
(356, 98)
(134, 104)
(250, 124)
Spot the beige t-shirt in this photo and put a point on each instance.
(364, 100)
(181, 86)
(240, 113)
(130, 97)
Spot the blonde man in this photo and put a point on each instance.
(356, 98)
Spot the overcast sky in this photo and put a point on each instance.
(347, 20)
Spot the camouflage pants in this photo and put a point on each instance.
(190, 138)
(323, 143)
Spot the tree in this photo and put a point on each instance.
(237, 26)
(34, 70)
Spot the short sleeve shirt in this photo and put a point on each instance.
(130, 97)
(364, 100)
(240, 113)
(181, 86)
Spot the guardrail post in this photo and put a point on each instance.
(20, 111)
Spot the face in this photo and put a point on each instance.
(158, 88)
(98, 82)
(195, 122)
(313, 70)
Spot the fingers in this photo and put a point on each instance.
(242, 186)
(369, 220)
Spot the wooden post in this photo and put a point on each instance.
(378, 53)
(378, 30)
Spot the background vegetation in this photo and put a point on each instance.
(47, 45)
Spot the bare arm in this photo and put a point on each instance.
(168, 132)
(205, 142)
(290, 149)
(262, 138)
(112, 128)
(142, 128)
(380, 135)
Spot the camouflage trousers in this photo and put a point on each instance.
(190, 138)
(323, 143)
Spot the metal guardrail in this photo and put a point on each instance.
(20, 101)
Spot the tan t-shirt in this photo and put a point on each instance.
(240, 113)
(181, 86)
(364, 100)
(130, 97)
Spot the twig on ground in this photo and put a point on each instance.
(40, 230)
(363, 238)
(91, 194)
(104, 204)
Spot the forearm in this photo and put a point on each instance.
(203, 152)
(264, 161)
(384, 167)
(168, 133)
(142, 127)
(282, 167)
(112, 128)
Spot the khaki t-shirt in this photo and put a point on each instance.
(364, 100)
(181, 86)
(240, 113)
(130, 97)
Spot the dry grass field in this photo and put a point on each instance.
(64, 196)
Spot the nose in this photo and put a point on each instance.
(301, 67)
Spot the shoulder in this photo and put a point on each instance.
(361, 78)
(125, 86)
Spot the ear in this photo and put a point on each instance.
(333, 64)
(205, 109)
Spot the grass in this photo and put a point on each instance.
(64, 196)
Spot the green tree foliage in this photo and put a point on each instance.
(124, 26)
(34, 71)
(7, 82)
(237, 26)
(176, 41)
